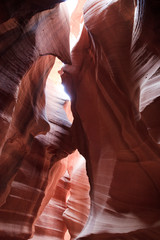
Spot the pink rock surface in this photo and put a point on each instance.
(47, 189)
(50, 224)
(25, 56)
(33, 173)
(69, 202)
(78, 204)
(111, 64)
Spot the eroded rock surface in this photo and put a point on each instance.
(23, 57)
(30, 41)
(112, 77)
(114, 65)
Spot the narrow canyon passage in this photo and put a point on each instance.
(79, 120)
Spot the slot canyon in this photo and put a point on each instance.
(80, 119)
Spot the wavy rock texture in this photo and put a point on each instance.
(50, 224)
(30, 40)
(21, 57)
(69, 203)
(114, 88)
(78, 204)
(34, 182)
(21, 45)
(114, 65)
(36, 170)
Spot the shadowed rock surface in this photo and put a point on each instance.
(114, 65)
(47, 188)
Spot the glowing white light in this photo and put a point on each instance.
(63, 93)
(71, 4)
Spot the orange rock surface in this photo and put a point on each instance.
(84, 166)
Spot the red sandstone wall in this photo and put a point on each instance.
(48, 189)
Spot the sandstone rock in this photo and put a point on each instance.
(21, 56)
(112, 77)
(111, 64)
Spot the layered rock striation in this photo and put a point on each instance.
(115, 64)
(109, 187)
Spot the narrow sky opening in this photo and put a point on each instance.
(63, 92)
(71, 4)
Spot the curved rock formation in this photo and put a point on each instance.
(78, 203)
(50, 224)
(112, 77)
(30, 40)
(112, 64)
(69, 202)
(30, 157)
(21, 53)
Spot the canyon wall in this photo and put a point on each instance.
(114, 84)
(88, 169)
